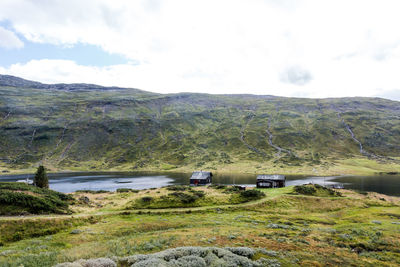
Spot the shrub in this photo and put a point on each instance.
(252, 194)
(316, 190)
(199, 194)
(218, 186)
(146, 199)
(197, 256)
(21, 187)
(305, 190)
(16, 198)
(186, 256)
(231, 189)
(184, 198)
(100, 262)
(32, 203)
(191, 261)
(178, 187)
(92, 191)
(127, 190)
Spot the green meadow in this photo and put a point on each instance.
(291, 226)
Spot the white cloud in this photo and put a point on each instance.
(9, 40)
(296, 75)
(390, 94)
(349, 48)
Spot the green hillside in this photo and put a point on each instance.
(20, 198)
(89, 127)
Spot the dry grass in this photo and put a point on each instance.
(113, 201)
(355, 229)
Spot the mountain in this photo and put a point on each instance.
(91, 127)
(12, 81)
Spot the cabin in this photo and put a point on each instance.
(270, 181)
(200, 178)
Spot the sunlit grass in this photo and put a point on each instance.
(353, 229)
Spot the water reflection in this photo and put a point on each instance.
(385, 184)
(70, 182)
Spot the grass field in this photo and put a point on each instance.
(312, 228)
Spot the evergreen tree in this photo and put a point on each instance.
(41, 180)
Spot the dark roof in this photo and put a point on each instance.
(201, 175)
(271, 177)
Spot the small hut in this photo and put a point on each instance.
(200, 178)
(270, 181)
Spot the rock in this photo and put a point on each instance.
(84, 199)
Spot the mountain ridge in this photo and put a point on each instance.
(131, 129)
(14, 81)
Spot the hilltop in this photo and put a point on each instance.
(91, 127)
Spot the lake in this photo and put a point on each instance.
(70, 182)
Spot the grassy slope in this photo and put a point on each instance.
(355, 229)
(20, 198)
(135, 130)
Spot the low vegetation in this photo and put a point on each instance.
(186, 196)
(20, 198)
(10, 231)
(315, 190)
(286, 227)
(190, 256)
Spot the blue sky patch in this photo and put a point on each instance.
(82, 54)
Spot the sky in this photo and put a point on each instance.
(294, 48)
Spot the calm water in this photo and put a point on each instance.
(70, 182)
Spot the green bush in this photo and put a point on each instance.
(218, 186)
(199, 194)
(231, 189)
(146, 199)
(316, 190)
(305, 189)
(184, 198)
(41, 191)
(127, 190)
(16, 198)
(92, 191)
(178, 188)
(252, 194)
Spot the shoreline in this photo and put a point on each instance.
(178, 171)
